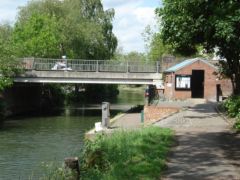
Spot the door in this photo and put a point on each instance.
(197, 82)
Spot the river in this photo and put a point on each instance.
(27, 142)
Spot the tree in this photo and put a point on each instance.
(8, 64)
(154, 45)
(37, 37)
(186, 24)
(76, 28)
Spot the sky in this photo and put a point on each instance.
(131, 18)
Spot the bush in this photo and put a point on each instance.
(232, 106)
(138, 154)
(237, 125)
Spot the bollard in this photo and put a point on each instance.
(73, 164)
(142, 116)
(105, 114)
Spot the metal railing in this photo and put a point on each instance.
(44, 64)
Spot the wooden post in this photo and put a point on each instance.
(73, 164)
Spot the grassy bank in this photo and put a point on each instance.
(137, 154)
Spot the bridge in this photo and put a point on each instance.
(39, 70)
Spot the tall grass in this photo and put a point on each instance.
(138, 154)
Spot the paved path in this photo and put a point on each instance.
(128, 121)
(205, 148)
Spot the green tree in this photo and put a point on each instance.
(37, 37)
(76, 28)
(8, 64)
(186, 24)
(154, 45)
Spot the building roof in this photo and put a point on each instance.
(186, 63)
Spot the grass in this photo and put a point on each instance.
(138, 154)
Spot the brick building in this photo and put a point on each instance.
(195, 78)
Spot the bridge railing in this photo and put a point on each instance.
(44, 64)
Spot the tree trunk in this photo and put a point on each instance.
(236, 77)
(236, 89)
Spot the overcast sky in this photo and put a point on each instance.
(131, 18)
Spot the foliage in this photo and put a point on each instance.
(38, 37)
(52, 171)
(186, 24)
(232, 105)
(237, 124)
(52, 28)
(155, 46)
(8, 65)
(130, 56)
(138, 154)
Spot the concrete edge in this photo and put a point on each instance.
(167, 116)
(90, 133)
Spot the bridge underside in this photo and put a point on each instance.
(71, 77)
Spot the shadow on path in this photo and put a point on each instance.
(205, 148)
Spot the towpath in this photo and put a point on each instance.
(205, 147)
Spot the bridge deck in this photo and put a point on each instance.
(89, 71)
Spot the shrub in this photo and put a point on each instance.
(232, 106)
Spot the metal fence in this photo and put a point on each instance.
(45, 64)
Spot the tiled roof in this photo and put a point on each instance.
(186, 63)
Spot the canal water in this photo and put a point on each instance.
(27, 143)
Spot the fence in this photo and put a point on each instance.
(45, 64)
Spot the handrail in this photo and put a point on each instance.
(45, 64)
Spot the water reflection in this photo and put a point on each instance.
(27, 141)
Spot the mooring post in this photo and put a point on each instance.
(105, 114)
(73, 164)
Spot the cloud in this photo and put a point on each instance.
(8, 9)
(131, 18)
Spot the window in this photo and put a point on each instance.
(183, 82)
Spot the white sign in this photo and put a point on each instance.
(183, 82)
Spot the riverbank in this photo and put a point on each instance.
(125, 155)
(27, 141)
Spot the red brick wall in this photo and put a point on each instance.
(210, 82)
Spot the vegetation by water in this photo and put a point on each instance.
(78, 29)
(232, 107)
(138, 154)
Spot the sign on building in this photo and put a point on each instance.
(183, 82)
